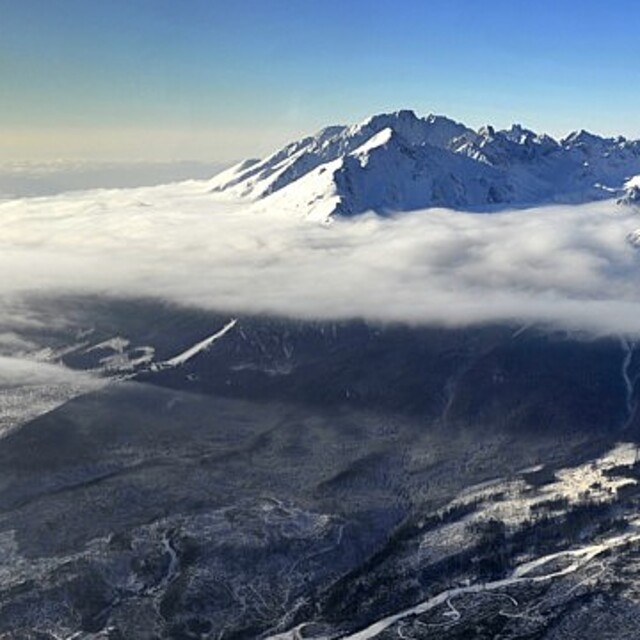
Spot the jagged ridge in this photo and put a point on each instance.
(399, 161)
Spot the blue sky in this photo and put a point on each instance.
(220, 80)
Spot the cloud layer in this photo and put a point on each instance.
(19, 179)
(29, 389)
(571, 266)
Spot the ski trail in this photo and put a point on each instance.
(197, 348)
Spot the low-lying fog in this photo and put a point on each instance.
(572, 266)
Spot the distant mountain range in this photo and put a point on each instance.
(400, 162)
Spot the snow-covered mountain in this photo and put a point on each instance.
(631, 192)
(399, 161)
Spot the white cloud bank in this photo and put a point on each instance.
(29, 389)
(572, 266)
(20, 179)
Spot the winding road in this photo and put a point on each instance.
(580, 558)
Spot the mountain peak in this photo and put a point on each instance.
(400, 161)
(518, 133)
(403, 115)
(582, 137)
(486, 131)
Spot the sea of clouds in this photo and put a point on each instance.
(22, 179)
(570, 266)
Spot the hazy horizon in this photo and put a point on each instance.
(220, 82)
(46, 178)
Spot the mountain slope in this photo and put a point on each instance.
(275, 478)
(399, 162)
